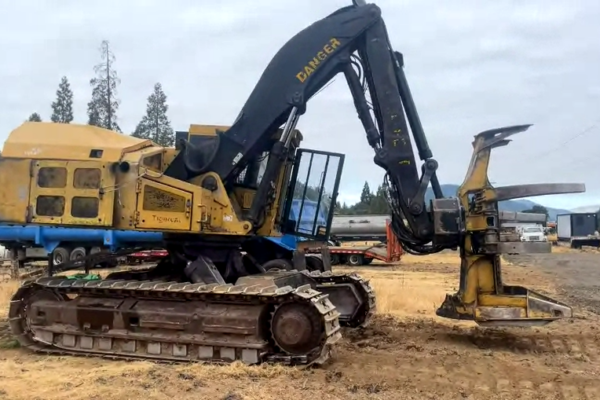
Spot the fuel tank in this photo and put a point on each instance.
(359, 226)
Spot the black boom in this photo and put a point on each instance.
(354, 41)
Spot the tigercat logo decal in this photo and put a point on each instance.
(321, 56)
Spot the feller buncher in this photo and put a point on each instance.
(211, 300)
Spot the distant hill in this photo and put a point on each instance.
(587, 209)
(510, 205)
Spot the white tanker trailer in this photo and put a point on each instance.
(366, 227)
(359, 228)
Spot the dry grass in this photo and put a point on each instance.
(7, 289)
(562, 249)
(408, 293)
(82, 378)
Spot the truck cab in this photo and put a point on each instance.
(532, 234)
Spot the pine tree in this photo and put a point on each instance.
(35, 117)
(93, 110)
(102, 109)
(155, 125)
(366, 196)
(379, 203)
(62, 108)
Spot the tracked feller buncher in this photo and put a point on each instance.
(216, 197)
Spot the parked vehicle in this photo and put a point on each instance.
(387, 251)
(551, 234)
(578, 229)
(533, 233)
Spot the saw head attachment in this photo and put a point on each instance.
(482, 297)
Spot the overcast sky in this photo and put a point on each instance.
(472, 66)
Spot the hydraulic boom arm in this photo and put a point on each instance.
(354, 41)
(304, 65)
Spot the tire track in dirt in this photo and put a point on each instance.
(482, 380)
(389, 332)
(583, 347)
(485, 380)
(485, 364)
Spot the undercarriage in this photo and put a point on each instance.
(173, 313)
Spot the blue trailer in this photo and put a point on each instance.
(34, 242)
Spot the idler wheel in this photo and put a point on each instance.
(296, 328)
(19, 311)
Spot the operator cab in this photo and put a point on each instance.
(312, 194)
(311, 179)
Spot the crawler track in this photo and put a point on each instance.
(253, 321)
(325, 281)
(285, 317)
(365, 312)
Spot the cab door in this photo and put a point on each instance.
(312, 194)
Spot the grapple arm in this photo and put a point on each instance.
(482, 296)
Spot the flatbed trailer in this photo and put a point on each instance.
(388, 251)
(146, 256)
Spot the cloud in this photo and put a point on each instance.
(471, 65)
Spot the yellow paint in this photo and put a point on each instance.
(269, 227)
(486, 300)
(48, 140)
(170, 212)
(312, 65)
(72, 194)
(481, 282)
(117, 195)
(14, 196)
(206, 130)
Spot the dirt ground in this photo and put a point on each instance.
(406, 353)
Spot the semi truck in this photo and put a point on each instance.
(529, 226)
(578, 229)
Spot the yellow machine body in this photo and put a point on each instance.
(80, 175)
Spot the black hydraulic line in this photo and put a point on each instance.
(414, 121)
(411, 109)
(436, 187)
(362, 108)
